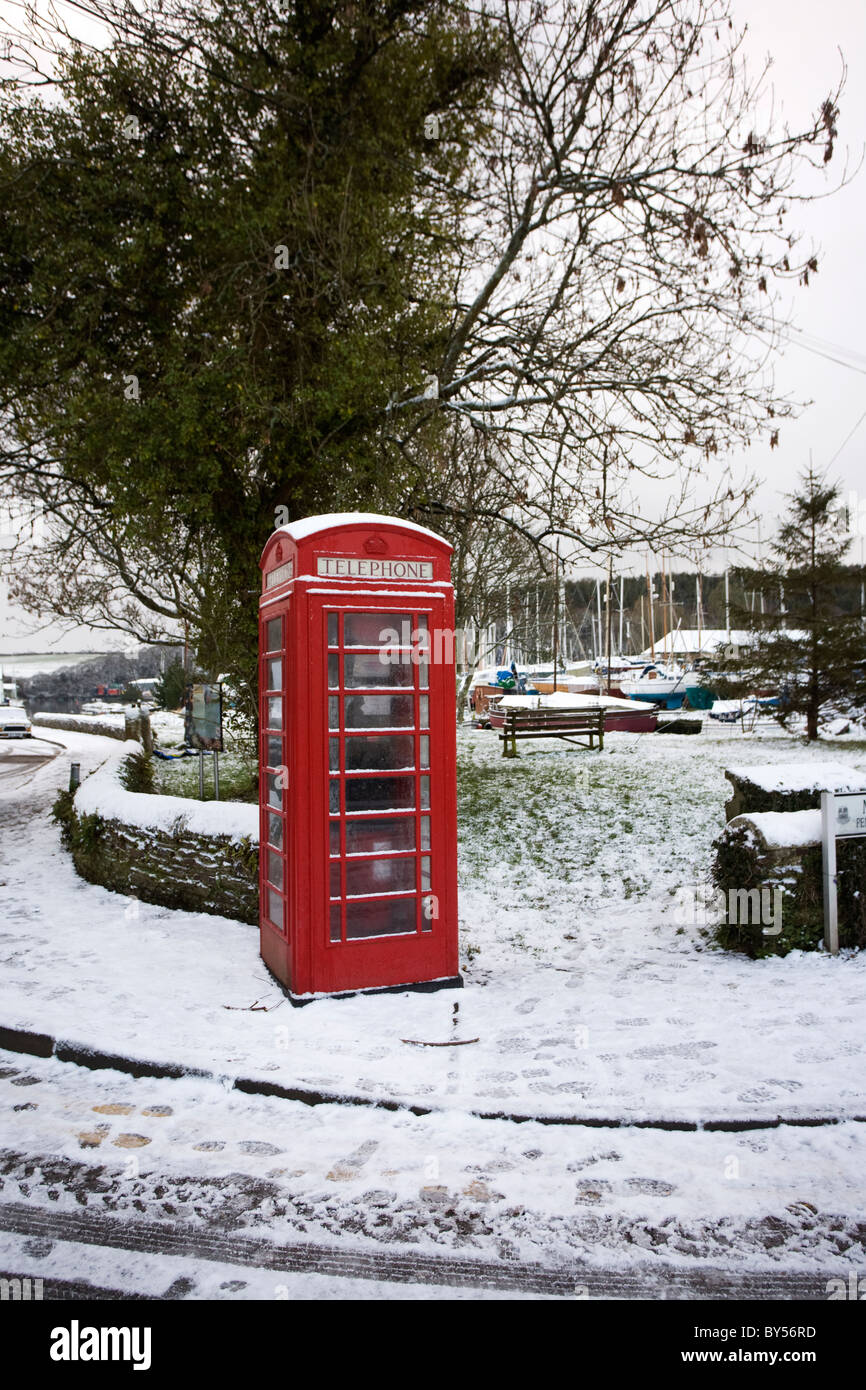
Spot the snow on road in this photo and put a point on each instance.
(191, 1153)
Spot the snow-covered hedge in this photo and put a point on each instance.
(772, 844)
(787, 786)
(164, 849)
(782, 830)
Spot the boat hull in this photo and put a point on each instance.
(669, 701)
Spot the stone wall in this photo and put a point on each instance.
(80, 725)
(200, 873)
(144, 846)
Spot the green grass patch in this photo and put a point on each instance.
(239, 777)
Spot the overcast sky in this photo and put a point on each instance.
(804, 39)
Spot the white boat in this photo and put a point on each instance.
(658, 684)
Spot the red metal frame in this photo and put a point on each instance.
(337, 911)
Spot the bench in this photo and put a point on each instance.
(580, 727)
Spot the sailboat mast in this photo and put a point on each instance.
(760, 565)
(671, 605)
(600, 638)
(652, 621)
(728, 599)
(664, 606)
(555, 615)
(609, 615)
(698, 603)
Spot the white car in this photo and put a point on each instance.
(14, 722)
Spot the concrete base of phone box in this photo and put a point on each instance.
(424, 987)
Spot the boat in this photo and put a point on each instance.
(750, 707)
(660, 685)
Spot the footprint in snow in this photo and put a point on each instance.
(685, 1049)
(526, 1007)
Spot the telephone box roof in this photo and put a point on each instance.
(338, 521)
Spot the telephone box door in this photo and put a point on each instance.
(385, 750)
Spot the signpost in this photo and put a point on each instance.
(843, 816)
(203, 728)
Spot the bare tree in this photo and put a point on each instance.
(621, 238)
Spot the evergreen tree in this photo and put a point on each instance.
(170, 687)
(806, 646)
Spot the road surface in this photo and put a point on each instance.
(20, 758)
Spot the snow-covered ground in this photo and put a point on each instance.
(590, 996)
(588, 992)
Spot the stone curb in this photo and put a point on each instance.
(79, 1054)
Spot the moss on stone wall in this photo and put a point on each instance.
(179, 869)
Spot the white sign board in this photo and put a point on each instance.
(350, 567)
(843, 815)
(280, 575)
(850, 813)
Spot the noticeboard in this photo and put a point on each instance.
(850, 814)
(203, 717)
(842, 815)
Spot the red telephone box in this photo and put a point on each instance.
(358, 863)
